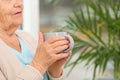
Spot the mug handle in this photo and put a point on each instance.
(71, 43)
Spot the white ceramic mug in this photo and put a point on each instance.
(65, 34)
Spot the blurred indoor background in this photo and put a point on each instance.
(44, 16)
(53, 15)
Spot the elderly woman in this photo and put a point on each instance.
(21, 56)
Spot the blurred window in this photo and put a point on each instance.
(54, 14)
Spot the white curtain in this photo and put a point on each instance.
(31, 22)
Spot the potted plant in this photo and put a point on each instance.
(96, 32)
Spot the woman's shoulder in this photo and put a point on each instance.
(22, 33)
(29, 39)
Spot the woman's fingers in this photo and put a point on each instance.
(60, 48)
(41, 38)
(60, 43)
(57, 44)
(63, 55)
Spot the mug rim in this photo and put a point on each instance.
(55, 33)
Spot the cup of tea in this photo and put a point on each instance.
(65, 34)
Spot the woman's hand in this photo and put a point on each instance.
(47, 52)
(56, 69)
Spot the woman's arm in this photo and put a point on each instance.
(29, 73)
(2, 77)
